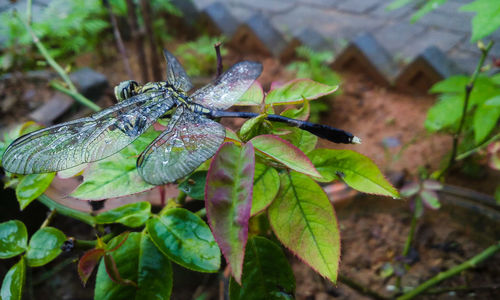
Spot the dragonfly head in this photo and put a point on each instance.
(126, 89)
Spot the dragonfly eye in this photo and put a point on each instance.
(126, 89)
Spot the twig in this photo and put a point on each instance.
(119, 41)
(75, 95)
(481, 146)
(409, 240)
(138, 38)
(49, 218)
(28, 11)
(148, 23)
(468, 90)
(360, 288)
(86, 244)
(219, 59)
(451, 272)
(66, 211)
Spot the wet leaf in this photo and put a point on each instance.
(302, 139)
(355, 169)
(116, 175)
(228, 201)
(266, 273)
(131, 215)
(44, 246)
(295, 91)
(301, 113)
(72, 172)
(252, 127)
(13, 239)
(88, 262)
(13, 282)
(144, 272)
(194, 185)
(185, 239)
(31, 187)
(303, 220)
(285, 153)
(265, 187)
(253, 96)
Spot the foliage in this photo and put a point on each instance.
(198, 56)
(315, 65)
(265, 171)
(67, 28)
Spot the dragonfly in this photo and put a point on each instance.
(191, 137)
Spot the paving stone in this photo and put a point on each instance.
(382, 12)
(457, 21)
(267, 6)
(321, 3)
(444, 40)
(189, 11)
(201, 4)
(364, 54)
(358, 6)
(465, 60)
(309, 38)
(52, 109)
(242, 13)
(395, 36)
(472, 47)
(216, 19)
(89, 82)
(429, 67)
(257, 34)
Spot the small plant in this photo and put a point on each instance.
(315, 65)
(198, 55)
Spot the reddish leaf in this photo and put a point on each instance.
(228, 200)
(88, 262)
(113, 273)
(285, 153)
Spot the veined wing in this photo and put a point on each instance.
(223, 92)
(176, 75)
(189, 140)
(85, 140)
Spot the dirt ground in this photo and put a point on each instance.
(371, 236)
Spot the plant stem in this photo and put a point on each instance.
(468, 90)
(66, 211)
(85, 244)
(481, 146)
(409, 240)
(28, 11)
(360, 288)
(49, 218)
(219, 59)
(75, 95)
(451, 272)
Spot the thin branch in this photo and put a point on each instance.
(66, 211)
(148, 23)
(118, 39)
(138, 39)
(49, 218)
(474, 261)
(480, 147)
(360, 288)
(468, 90)
(219, 59)
(75, 95)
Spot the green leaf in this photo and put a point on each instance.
(302, 139)
(297, 90)
(88, 262)
(355, 169)
(429, 6)
(398, 4)
(253, 96)
(13, 282)
(410, 189)
(285, 153)
(131, 215)
(301, 113)
(485, 120)
(495, 101)
(430, 199)
(445, 113)
(266, 273)
(453, 84)
(265, 187)
(185, 239)
(13, 239)
(31, 186)
(137, 260)
(486, 20)
(228, 201)
(116, 175)
(44, 246)
(194, 185)
(252, 127)
(303, 220)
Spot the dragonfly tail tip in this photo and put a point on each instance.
(356, 140)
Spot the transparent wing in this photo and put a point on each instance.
(84, 140)
(176, 75)
(229, 87)
(189, 140)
